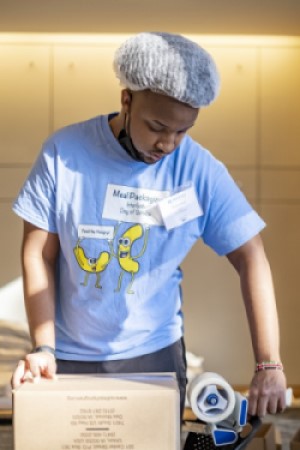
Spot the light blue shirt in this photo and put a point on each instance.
(118, 277)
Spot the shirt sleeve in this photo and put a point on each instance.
(231, 220)
(36, 202)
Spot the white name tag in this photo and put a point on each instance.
(128, 204)
(95, 232)
(180, 208)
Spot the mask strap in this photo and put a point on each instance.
(125, 140)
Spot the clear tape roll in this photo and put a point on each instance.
(196, 397)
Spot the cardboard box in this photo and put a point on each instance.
(98, 412)
(295, 442)
(264, 438)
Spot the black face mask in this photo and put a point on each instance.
(126, 142)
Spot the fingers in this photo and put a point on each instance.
(262, 404)
(267, 405)
(283, 402)
(33, 367)
(41, 364)
(252, 405)
(17, 377)
(267, 393)
(48, 368)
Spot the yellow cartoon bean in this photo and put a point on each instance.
(126, 260)
(91, 265)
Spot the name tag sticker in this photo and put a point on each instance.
(129, 204)
(95, 232)
(180, 208)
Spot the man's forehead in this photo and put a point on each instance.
(158, 102)
(181, 126)
(166, 112)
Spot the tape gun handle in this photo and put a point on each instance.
(289, 396)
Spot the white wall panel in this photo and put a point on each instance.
(280, 106)
(84, 83)
(228, 127)
(24, 104)
(11, 180)
(283, 185)
(10, 243)
(215, 321)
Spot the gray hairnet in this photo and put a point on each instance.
(168, 64)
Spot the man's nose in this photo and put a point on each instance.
(167, 144)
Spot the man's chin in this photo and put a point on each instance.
(151, 158)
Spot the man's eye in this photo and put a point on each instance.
(155, 130)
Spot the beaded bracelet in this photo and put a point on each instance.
(267, 365)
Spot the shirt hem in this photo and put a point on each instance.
(132, 353)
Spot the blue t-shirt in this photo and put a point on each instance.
(118, 277)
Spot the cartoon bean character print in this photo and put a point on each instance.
(91, 265)
(127, 261)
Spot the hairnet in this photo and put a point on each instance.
(168, 64)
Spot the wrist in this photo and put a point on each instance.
(44, 348)
(268, 365)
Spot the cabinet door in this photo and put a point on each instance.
(24, 104)
(84, 83)
(228, 127)
(280, 106)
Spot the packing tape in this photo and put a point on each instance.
(211, 398)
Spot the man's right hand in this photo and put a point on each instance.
(33, 367)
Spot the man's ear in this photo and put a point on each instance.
(126, 98)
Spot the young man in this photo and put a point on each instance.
(112, 207)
